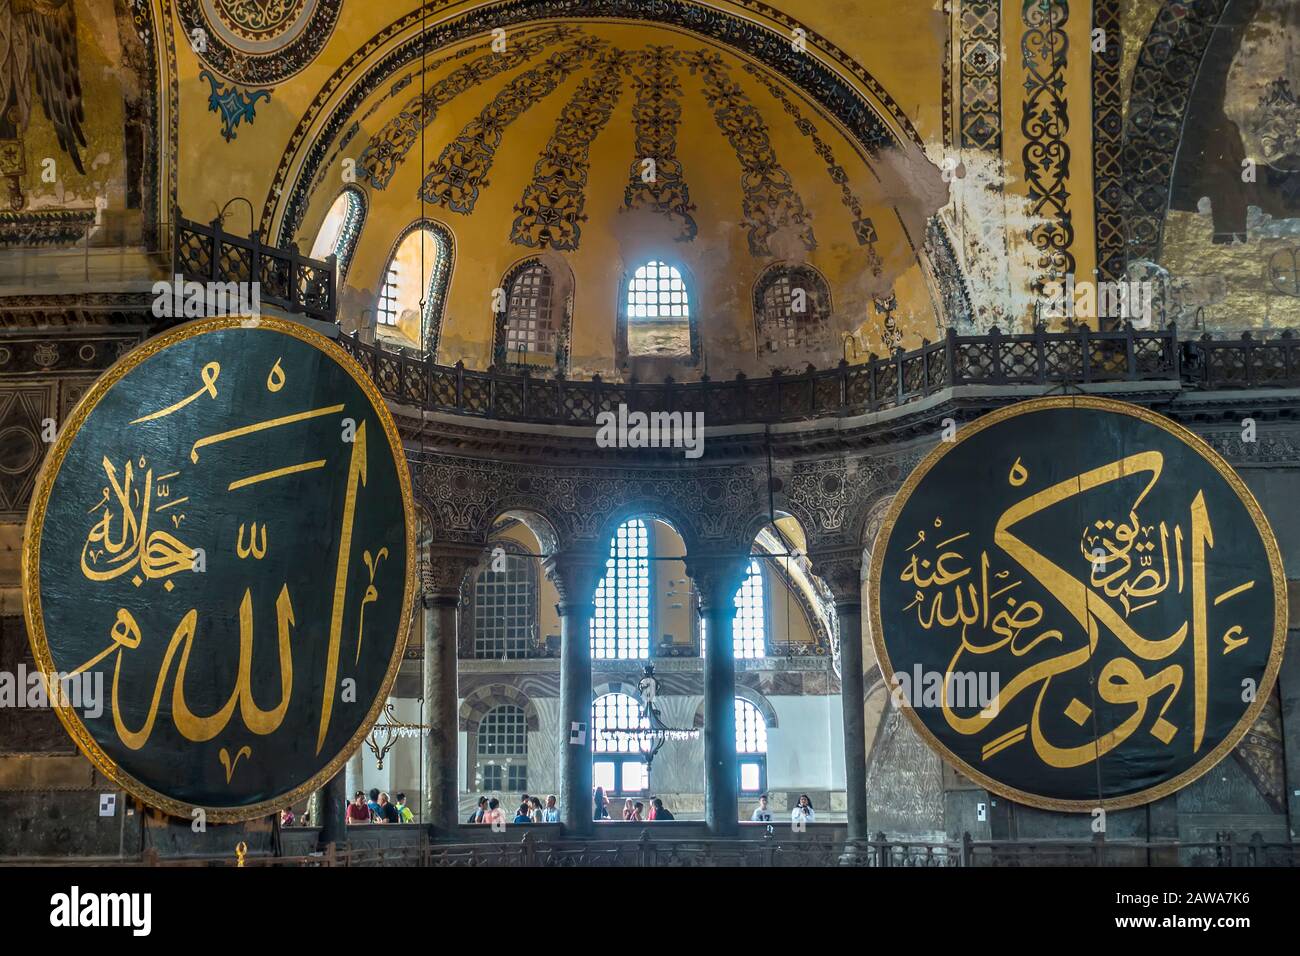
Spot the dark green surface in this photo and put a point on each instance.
(303, 517)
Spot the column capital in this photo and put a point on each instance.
(717, 578)
(841, 569)
(576, 575)
(443, 571)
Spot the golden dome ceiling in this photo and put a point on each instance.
(601, 145)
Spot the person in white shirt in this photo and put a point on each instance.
(552, 813)
(762, 814)
(804, 810)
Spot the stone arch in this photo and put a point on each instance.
(754, 697)
(479, 701)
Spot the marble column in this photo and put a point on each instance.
(717, 579)
(444, 574)
(575, 576)
(842, 572)
(332, 803)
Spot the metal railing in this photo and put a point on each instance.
(1039, 358)
(770, 851)
(286, 279)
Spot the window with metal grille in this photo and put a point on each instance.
(530, 320)
(656, 292)
(621, 625)
(751, 747)
(505, 606)
(749, 626)
(619, 763)
(793, 306)
(388, 298)
(503, 749)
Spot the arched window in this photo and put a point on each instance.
(656, 318)
(530, 333)
(792, 308)
(749, 627)
(505, 608)
(339, 232)
(619, 761)
(503, 750)
(751, 747)
(621, 626)
(416, 274)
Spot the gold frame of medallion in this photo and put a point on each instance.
(32, 609)
(1196, 444)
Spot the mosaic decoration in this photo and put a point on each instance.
(455, 177)
(550, 210)
(862, 227)
(1045, 123)
(981, 74)
(1107, 141)
(1166, 67)
(39, 52)
(232, 104)
(657, 113)
(770, 201)
(387, 148)
(827, 86)
(256, 43)
(1124, 586)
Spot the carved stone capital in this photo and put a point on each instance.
(576, 575)
(841, 569)
(717, 579)
(443, 571)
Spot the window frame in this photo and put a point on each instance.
(623, 355)
(651, 576)
(764, 575)
(354, 220)
(769, 277)
(561, 316)
(751, 757)
(469, 649)
(434, 293)
(620, 757)
(514, 761)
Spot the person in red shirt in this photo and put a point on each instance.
(358, 812)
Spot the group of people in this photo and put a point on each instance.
(378, 808)
(802, 811)
(530, 810)
(633, 811)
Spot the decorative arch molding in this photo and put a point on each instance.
(1163, 79)
(350, 232)
(823, 71)
(477, 704)
(744, 693)
(435, 292)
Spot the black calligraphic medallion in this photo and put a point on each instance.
(1078, 603)
(222, 539)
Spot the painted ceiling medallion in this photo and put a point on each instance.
(259, 42)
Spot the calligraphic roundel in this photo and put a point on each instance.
(1078, 603)
(219, 565)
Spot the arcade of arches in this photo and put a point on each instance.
(672, 196)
